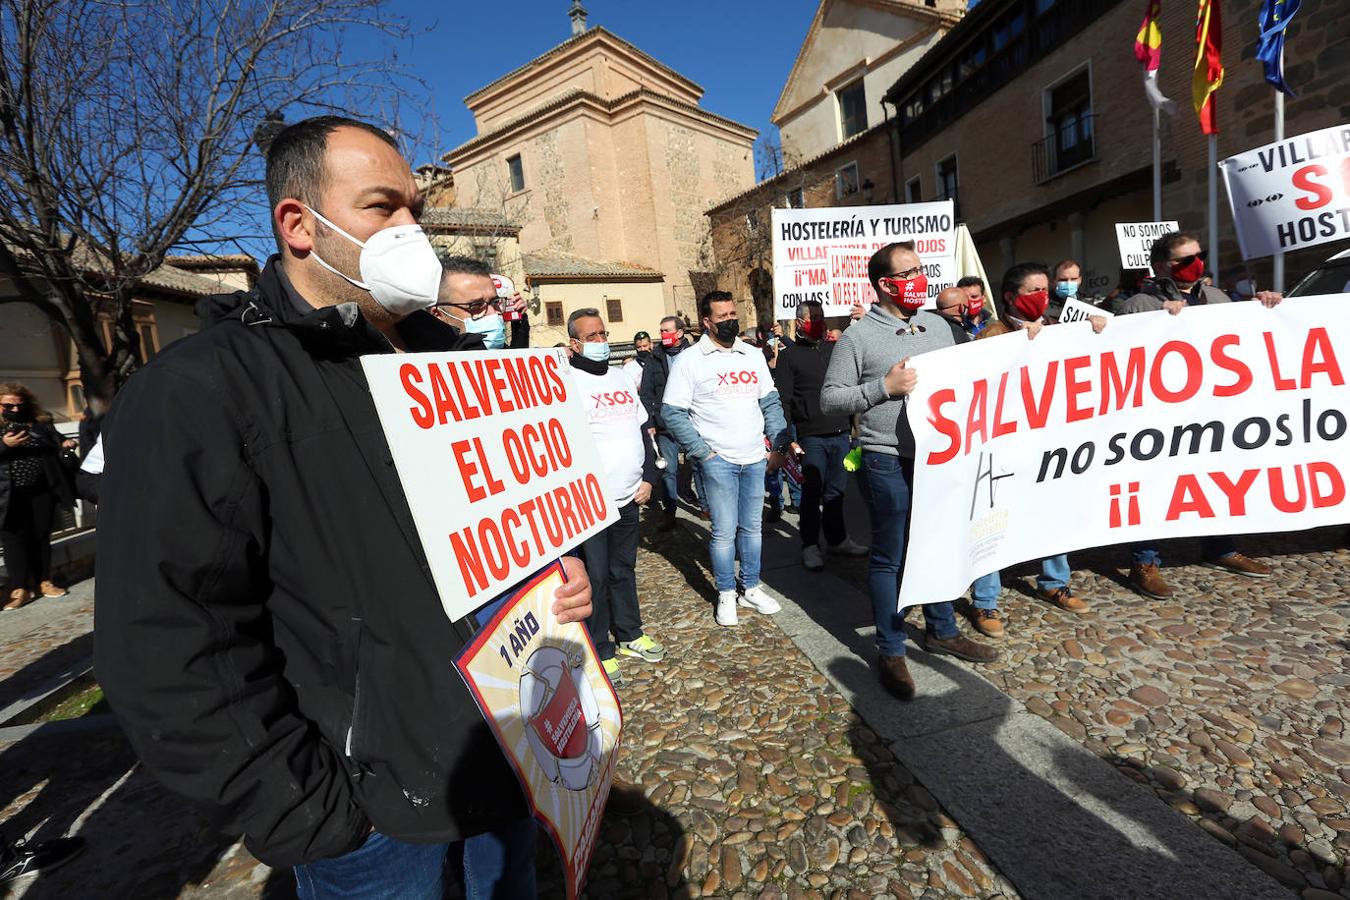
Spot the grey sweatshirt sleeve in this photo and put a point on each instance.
(845, 392)
(774, 423)
(676, 421)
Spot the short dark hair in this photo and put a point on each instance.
(879, 266)
(587, 312)
(1014, 278)
(971, 281)
(295, 157)
(1161, 252)
(679, 323)
(462, 265)
(641, 336)
(708, 299)
(808, 305)
(1067, 262)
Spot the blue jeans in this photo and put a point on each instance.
(1054, 575)
(1211, 547)
(496, 864)
(824, 480)
(735, 498)
(886, 485)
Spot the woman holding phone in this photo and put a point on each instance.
(32, 481)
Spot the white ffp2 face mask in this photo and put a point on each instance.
(398, 265)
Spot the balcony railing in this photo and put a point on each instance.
(1066, 148)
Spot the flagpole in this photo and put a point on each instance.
(1213, 222)
(1157, 166)
(1277, 266)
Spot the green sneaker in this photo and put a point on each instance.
(643, 648)
(612, 670)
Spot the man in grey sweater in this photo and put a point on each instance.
(869, 373)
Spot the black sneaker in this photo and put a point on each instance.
(29, 859)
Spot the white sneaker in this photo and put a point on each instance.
(726, 608)
(849, 547)
(756, 599)
(812, 558)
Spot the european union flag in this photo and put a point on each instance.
(1274, 18)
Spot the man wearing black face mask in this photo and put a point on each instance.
(642, 354)
(720, 404)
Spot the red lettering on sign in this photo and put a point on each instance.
(1319, 194)
(975, 416)
(1281, 383)
(421, 413)
(1319, 357)
(1188, 497)
(1074, 388)
(944, 426)
(1229, 364)
(1038, 413)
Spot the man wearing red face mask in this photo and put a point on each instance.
(1178, 267)
(869, 373)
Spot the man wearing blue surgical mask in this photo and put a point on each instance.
(468, 301)
(267, 624)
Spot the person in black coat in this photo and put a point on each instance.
(34, 480)
(654, 376)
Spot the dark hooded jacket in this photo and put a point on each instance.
(267, 627)
(654, 376)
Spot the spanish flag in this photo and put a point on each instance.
(1208, 75)
(1148, 42)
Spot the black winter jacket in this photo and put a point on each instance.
(799, 375)
(44, 442)
(654, 376)
(267, 627)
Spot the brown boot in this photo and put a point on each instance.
(1242, 565)
(19, 597)
(626, 799)
(1145, 579)
(961, 647)
(49, 589)
(895, 677)
(1064, 599)
(986, 622)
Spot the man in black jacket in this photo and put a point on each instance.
(267, 627)
(653, 389)
(822, 440)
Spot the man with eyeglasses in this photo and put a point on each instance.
(1178, 272)
(469, 303)
(619, 424)
(869, 373)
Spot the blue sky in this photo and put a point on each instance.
(740, 51)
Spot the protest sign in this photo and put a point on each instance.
(1292, 193)
(1223, 419)
(497, 461)
(1136, 240)
(822, 254)
(553, 710)
(1077, 311)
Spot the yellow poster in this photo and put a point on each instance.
(542, 689)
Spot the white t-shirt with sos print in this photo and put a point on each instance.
(721, 388)
(617, 421)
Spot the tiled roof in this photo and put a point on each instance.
(173, 278)
(466, 217)
(213, 261)
(573, 41)
(574, 94)
(557, 264)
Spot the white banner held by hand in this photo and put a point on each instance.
(1136, 240)
(497, 461)
(1224, 419)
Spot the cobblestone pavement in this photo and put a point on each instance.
(1229, 700)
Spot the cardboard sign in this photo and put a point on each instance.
(553, 710)
(1291, 194)
(1076, 310)
(822, 254)
(497, 461)
(1136, 240)
(1224, 419)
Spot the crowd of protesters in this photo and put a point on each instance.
(267, 626)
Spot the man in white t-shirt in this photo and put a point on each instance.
(618, 422)
(720, 404)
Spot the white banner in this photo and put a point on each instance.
(1223, 419)
(1076, 310)
(497, 461)
(1136, 240)
(821, 254)
(1292, 193)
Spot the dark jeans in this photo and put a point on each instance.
(1211, 547)
(498, 864)
(26, 537)
(611, 557)
(886, 485)
(670, 477)
(824, 480)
